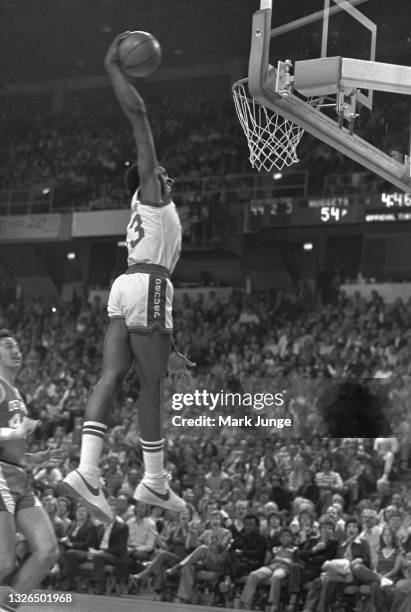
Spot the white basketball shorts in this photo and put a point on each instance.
(143, 297)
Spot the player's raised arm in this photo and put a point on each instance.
(135, 110)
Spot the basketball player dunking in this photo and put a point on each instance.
(140, 314)
(19, 508)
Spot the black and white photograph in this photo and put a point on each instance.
(205, 305)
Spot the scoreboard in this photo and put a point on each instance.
(327, 211)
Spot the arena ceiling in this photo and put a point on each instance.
(48, 39)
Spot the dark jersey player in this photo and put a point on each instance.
(139, 308)
(20, 510)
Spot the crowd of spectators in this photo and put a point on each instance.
(82, 152)
(255, 342)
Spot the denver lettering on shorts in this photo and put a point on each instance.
(157, 298)
(157, 301)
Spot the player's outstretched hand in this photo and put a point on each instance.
(57, 455)
(51, 456)
(177, 360)
(112, 52)
(178, 372)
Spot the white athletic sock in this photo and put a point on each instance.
(91, 448)
(153, 457)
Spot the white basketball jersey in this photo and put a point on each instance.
(153, 234)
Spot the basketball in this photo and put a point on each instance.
(139, 54)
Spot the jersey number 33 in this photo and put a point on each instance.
(135, 231)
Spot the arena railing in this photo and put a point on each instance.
(242, 187)
(34, 200)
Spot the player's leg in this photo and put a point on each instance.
(7, 535)
(33, 522)
(84, 482)
(117, 359)
(7, 555)
(151, 352)
(7, 542)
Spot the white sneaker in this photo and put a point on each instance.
(76, 485)
(386, 582)
(159, 495)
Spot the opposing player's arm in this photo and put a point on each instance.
(135, 110)
(25, 428)
(8, 433)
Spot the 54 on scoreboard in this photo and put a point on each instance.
(283, 212)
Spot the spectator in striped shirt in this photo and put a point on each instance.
(328, 482)
(277, 569)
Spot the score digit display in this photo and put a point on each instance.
(283, 212)
(396, 199)
(270, 212)
(332, 213)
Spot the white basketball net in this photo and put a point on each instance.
(272, 139)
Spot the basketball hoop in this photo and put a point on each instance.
(272, 139)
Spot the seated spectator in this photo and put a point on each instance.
(210, 554)
(179, 542)
(236, 525)
(189, 473)
(280, 494)
(296, 477)
(109, 548)
(371, 533)
(142, 537)
(304, 527)
(112, 475)
(48, 476)
(352, 468)
(125, 509)
(215, 477)
(247, 550)
(267, 509)
(63, 511)
(313, 553)
(130, 482)
(395, 523)
(402, 589)
(328, 482)
(309, 488)
(389, 563)
(225, 492)
(385, 449)
(275, 523)
(157, 517)
(81, 535)
(357, 556)
(278, 567)
(335, 512)
(50, 506)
